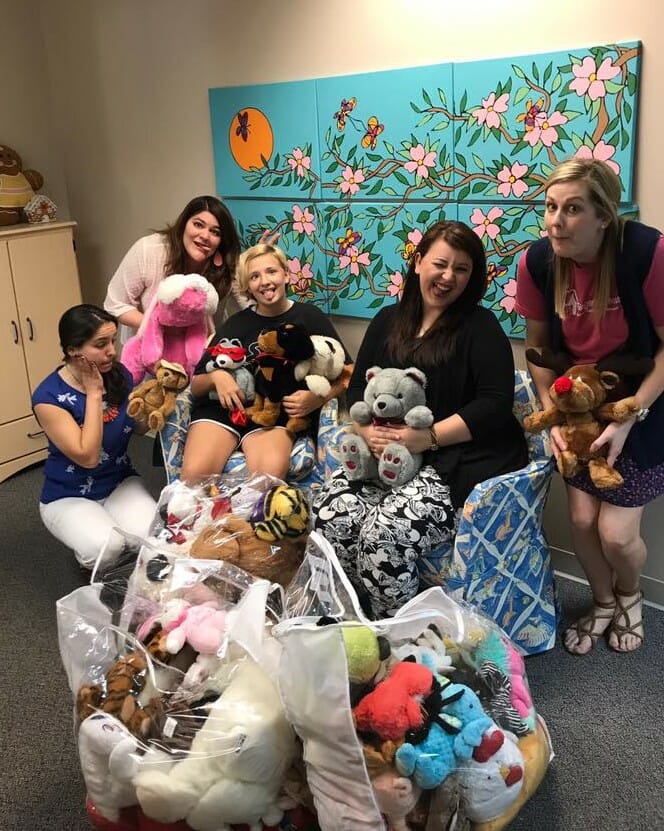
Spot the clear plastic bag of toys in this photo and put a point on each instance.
(423, 721)
(178, 715)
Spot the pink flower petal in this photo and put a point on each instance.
(596, 90)
(607, 70)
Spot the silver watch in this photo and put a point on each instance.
(642, 414)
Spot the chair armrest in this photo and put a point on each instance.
(330, 431)
(526, 488)
(174, 434)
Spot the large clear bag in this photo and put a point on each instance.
(177, 712)
(421, 721)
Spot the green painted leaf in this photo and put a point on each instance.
(518, 71)
(478, 161)
(520, 94)
(414, 107)
(389, 147)
(441, 95)
(398, 175)
(461, 160)
(478, 187)
(627, 110)
(376, 303)
(547, 73)
(463, 103)
(426, 97)
(631, 83)
(612, 87)
(463, 193)
(557, 81)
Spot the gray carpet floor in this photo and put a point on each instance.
(604, 711)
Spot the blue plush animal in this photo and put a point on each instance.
(452, 735)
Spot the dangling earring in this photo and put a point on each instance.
(217, 260)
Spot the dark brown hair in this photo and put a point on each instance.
(78, 325)
(219, 276)
(438, 342)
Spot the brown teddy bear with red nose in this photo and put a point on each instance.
(581, 410)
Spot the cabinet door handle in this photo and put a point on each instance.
(15, 328)
(31, 331)
(36, 434)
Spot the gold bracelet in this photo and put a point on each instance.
(434, 439)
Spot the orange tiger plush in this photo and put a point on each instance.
(123, 683)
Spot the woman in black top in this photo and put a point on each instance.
(439, 327)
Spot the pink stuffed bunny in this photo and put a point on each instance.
(175, 328)
(202, 627)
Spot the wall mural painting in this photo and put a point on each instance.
(350, 170)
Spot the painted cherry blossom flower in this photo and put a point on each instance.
(352, 259)
(420, 161)
(302, 221)
(544, 129)
(488, 113)
(395, 284)
(351, 180)
(509, 300)
(511, 180)
(589, 80)
(299, 162)
(486, 224)
(300, 278)
(601, 151)
(413, 238)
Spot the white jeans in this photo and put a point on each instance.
(86, 526)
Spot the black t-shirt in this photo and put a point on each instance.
(247, 325)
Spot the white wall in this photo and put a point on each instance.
(129, 81)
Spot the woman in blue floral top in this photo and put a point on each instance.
(90, 485)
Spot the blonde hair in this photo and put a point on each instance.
(604, 190)
(242, 273)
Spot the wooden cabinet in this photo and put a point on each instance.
(38, 282)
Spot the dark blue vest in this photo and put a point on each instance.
(645, 443)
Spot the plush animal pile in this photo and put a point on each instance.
(184, 727)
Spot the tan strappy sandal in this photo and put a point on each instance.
(622, 624)
(586, 625)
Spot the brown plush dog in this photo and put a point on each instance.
(280, 350)
(233, 540)
(153, 401)
(579, 407)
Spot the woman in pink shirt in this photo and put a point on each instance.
(593, 287)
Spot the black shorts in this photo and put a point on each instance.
(214, 412)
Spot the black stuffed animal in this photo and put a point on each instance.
(280, 350)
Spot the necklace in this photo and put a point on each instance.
(77, 381)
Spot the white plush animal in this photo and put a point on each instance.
(108, 762)
(327, 364)
(236, 764)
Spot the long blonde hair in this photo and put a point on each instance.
(604, 189)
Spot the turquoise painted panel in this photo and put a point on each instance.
(375, 142)
(356, 156)
(298, 225)
(506, 230)
(265, 140)
(516, 118)
(368, 248)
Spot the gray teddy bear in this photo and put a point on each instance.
(394, 397)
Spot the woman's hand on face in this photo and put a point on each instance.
(89, 374)
(302, 402)
(613, 437)
(230, 395)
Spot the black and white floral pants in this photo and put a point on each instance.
(379, 533)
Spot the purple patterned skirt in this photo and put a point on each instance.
(639, 487)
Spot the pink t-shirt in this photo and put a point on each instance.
(586, 339)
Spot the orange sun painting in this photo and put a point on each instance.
(250, 137)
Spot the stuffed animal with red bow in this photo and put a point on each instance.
(231, 356)
(581, 410)
(281, 349)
